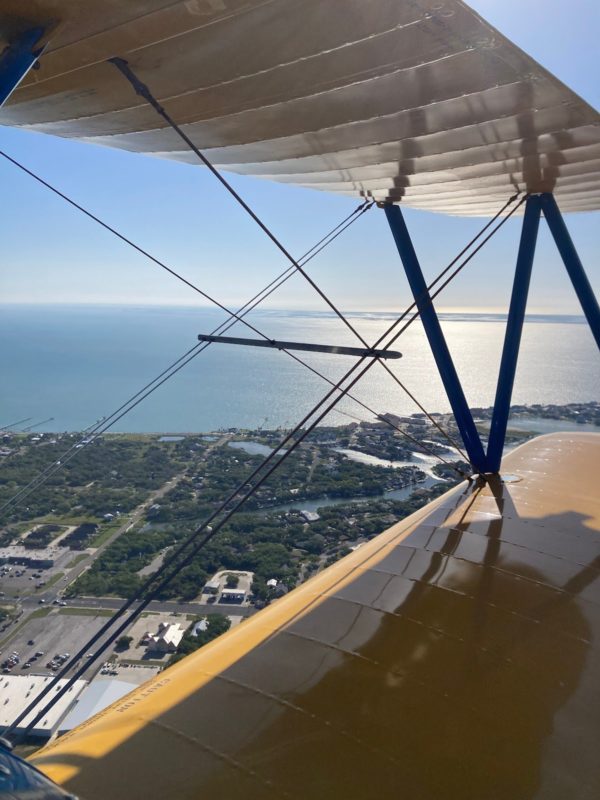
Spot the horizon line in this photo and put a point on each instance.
(452, 310)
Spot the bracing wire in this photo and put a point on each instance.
(143, 91)
(294, 266)
(92, 433)
(234, 316)
(51, 469)
(25, 491)
(284, 276)
(294, 438)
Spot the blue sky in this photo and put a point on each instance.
(52, 254)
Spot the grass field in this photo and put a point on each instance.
(86, 612)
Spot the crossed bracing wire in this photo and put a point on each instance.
(294, 438)
(294, 267)
(182, 554)
(96, 430)
(143, 91)
(233, 318)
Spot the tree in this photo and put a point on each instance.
(123, 643)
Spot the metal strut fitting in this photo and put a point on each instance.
(16, 60)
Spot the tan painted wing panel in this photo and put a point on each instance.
(455, 656)
(376, 98)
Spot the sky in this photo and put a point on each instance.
(52, 254)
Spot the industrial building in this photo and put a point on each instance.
(17, 691)
(25, 556)
(98, 696)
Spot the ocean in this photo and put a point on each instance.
(76, 364)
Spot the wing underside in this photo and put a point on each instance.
(417, 101)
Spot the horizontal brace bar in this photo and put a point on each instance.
(312, 348)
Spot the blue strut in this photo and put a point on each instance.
(512, 337)
(437, 342)
(573, 264)
(17, 59)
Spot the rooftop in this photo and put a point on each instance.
(98, 696)
(17, 691)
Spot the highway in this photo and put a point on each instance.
(167, 607)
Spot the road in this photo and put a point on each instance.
(131, 520)
(32, 602)
(167, 607)
(313, 464)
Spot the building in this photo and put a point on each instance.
(310, 516)
(17, 691)
(278, 589)
(167, 639)
(95, 698)
(200, 626)
(17, 554)
(153, 511)
(213, 586)
(232, 596)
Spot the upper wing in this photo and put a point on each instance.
(453, 656)
(420, 101)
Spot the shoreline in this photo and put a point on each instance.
(584, 416)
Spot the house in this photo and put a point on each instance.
(167, 639)
(200, 627)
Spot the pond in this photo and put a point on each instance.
(322, 502)
(252, 448)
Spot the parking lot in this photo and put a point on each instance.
(135, 674)
(55, 633)
(20, 581)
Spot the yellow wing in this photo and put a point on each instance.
(454, 656)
